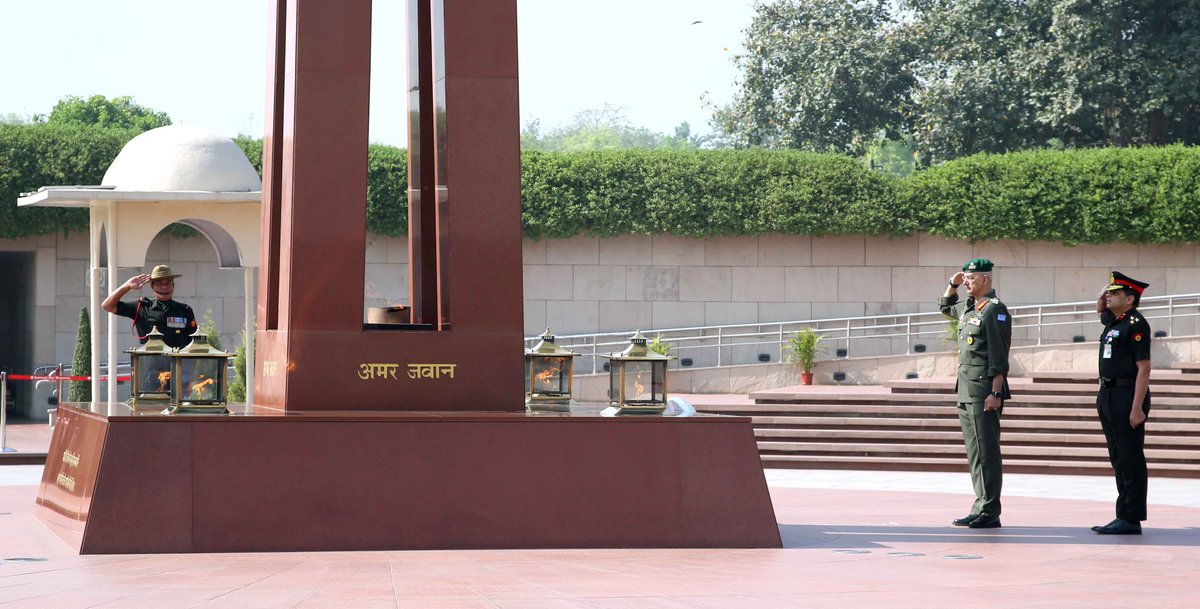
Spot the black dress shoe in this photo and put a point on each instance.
(985, 522)
(1105, 526)
(965, 520)
(1121, 527)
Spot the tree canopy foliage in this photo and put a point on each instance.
(967, 76)
(606, 128)
(99, 111)
(819, 75)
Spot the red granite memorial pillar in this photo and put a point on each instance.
(333, 477)
(315, 351)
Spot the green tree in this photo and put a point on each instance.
(603, 128)
(81, 364)
(208, 328)
(1123, 72)
(1005, 75)
(100, 111)
(819, 75)
(963, 77)
(237, 387)
(979, 65)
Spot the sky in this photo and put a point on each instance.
(204, 63)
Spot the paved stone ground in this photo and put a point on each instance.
(852, 539)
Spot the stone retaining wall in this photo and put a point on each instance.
(585, 284)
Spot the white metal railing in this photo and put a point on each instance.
(877, 335)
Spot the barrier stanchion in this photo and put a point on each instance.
(4, 414)
(55, 377)
(58, 385)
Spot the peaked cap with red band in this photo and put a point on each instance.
(1120, 281)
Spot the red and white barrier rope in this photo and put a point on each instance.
(51, 377)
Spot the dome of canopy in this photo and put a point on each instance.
(181, 158)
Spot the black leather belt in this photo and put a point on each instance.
(1107, 382)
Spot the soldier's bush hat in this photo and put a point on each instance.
(163, 271)
(1121, 281)
(978, 265)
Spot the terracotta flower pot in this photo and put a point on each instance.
(806, 378)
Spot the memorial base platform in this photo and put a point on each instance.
(118, 481)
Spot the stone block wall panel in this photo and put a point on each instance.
(587, 284)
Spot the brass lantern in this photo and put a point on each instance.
(198, 378)
(548, 376)
(151, 372)
(637, 378)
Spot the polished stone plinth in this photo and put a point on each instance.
(121, 481)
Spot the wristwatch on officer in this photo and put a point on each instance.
(999, 394)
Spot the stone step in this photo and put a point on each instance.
(19, 458)
(1187, 367)
(946, 387)
(945, 464)
(904, 426)
(1172, 377)
(945, 410)
(1010, 452)
(1090, 438)
(1021, 399)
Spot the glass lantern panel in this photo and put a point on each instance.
(528, 365)
(642, 383)
(154, 375)
(614, 380)
(201, 379)
(550, 374)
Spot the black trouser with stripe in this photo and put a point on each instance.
(1126, 449)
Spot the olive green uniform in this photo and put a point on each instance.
(984, 337)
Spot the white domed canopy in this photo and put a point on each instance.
(180, 158)
(165, 175)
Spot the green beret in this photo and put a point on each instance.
(978, 265)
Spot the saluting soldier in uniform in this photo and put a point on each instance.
(1124, 382)
(984, 337)
(173, 319)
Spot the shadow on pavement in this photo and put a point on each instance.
(878, 536)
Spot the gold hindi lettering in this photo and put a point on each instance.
(430, 371)
(70, 458)
(65, 481)
(270, 368)
(368, 372)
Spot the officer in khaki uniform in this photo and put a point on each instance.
(172, 318)
(984, 337)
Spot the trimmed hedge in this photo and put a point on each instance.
(387, 184)
(1136, 195)
(387, 190)
(32, 156)
(699, 193)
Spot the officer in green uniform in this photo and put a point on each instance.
(984, 337)
(1124, 382)
(173, 319)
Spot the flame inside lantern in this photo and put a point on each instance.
(164, 377)
(202, 389)
(545, 378)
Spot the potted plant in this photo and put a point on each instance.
(805, 346)
(950, 338)
(659, 346)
